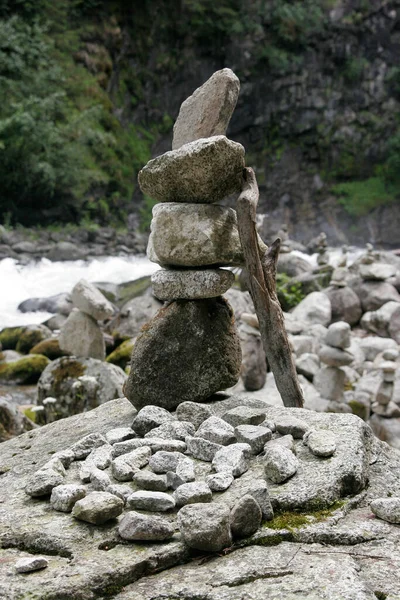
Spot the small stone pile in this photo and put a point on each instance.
(330, 379)
(190, 349)
(81, 335)
(182, 472)
(383, 403)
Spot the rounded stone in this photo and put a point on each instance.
(146, 528)
(98, 508)
(205, 526)
(280, 464)
(387, 509)
(173, 284)
(320, 442)
(246, 517)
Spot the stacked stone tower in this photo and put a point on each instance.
(190, 349)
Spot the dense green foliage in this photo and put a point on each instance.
(289, 292)
(82, 99)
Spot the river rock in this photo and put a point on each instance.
(188, 235)
(377, 271)
(329, 382)
(384, 322)
(345, 304)
(150, 417)
(216, 430)
(315, 308)
(204, 170)
(191, 493)
(98, 508)
(189, 351)
(185, 470)
(173, 284)
(162, 462)
(193, 412)
(280, 464)
(334, 357)
(151, 501)
(91, 301)
(321, 443)
(338, 335)
(31, 563)
(62, 380)
(232, 459)
(245, 517)
(63, 497)
(81, 336)
(205, 526)
(387, 509)
(208, 110)
(146, 528)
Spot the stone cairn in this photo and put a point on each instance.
(190, 349)
(383, 403)
(330, 380)
(81, 335)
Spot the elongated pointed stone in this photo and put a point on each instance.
(208, 110)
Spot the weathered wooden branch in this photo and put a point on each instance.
(261, 268)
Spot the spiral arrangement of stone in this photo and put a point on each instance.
(191, 350)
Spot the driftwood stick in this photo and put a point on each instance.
(261, 268)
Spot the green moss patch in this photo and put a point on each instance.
(295, 520)
(122, 355)
(27, 370)
(49, 348)
(9, 337)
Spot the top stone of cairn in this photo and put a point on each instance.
(208, 110)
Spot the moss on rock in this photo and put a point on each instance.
(121, 355)
(31, 336)
(26, 370)
(50, 348)
(9, 337)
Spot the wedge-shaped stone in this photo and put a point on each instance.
(205, 526)
(189, 284)
(190, 235)
(205, 170)
(188, 351)
(91, 301)
(208, 110)
(81, 336)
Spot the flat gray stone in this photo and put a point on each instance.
(84, 446)
(216, 430)
(208, 110)
(193, 412)
(194, 235)
(254, 435)
(156, 444)
(201, 448)
(175, 430)
(205, 526)
(147, 480)
(219, 482)
(30, 564)
(91, 301)
(285, 440)
(244, 415)
(100, 480)
(387, 509)
(233, 459)
(291, 425)
(246, 517)
(191, 493)
(189, 284)
(120, 434)
(124, 467)
(151, 501)
(98, 508)
(149, 417)
(334, 357)
(185, 470)
(280, 464)
(42, 482)
(121, 491)
(321, 443)
(161, 462)
(205, 170)
(146, 528)
(82, 337)
(329, 382)
(63, 497)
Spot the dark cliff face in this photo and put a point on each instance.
(317, 106)
(318, 111)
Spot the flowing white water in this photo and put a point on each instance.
(45, 278)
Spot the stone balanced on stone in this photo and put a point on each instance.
(81, 335)
(191, 349)
(330, 379)
(383, 403)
